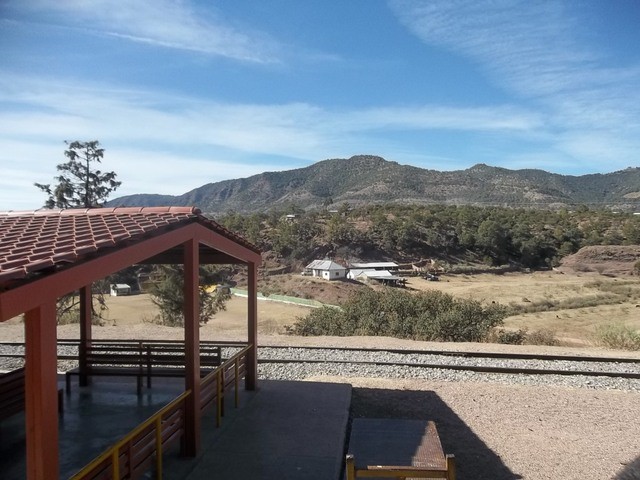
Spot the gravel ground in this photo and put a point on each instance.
(499, 431)
(498, 426)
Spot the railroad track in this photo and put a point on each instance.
(479, 362)
(529, 364)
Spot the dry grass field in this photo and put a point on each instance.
(231, 322)
(576, 304)
(571, 325)
(580, 303)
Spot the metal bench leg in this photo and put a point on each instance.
(60, 402)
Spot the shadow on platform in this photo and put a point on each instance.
(474, 459)
(285, 430)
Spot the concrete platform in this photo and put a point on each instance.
(283, 430)
(94, 417)
(286, 430)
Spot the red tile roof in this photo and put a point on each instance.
(38, 240)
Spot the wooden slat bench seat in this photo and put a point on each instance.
(391, 448)
(12, 388)
(142, 359)
(11, 393)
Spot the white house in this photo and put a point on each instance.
(119, 289)
(327, 269)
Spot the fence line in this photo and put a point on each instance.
(306, 302)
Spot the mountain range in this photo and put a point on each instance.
(366, 179)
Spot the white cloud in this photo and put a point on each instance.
(169, 144)
(55, 110)
(530, 48)
(538, 52)
(174, 174)
(503, 118)
(525, 45)
(164, 23)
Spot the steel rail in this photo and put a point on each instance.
(449, 353)
(473, 368)
(452, 353)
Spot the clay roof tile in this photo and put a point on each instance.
(37, 240)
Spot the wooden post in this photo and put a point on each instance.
(251, 382)
(41, 392)
(192, 346)
(350, 467)
(86, 301)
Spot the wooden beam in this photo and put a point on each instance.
(207, 257)
(17, 300)
(41, 392)
(251, 382)
(192, 347)
(227, 246)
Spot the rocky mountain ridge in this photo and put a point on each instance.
(366, 179)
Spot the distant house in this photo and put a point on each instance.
(385, 277)
(120, 289)
(390, 266)
(327, 269)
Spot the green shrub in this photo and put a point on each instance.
(541, 337)
(618, 336)
(509, 337)
(321, 321)
(431, 315)
(522, 336)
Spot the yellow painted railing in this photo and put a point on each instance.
(109, 460)
(212, 387)
(229, 373)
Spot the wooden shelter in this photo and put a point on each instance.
(46, 254)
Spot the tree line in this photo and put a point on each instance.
(532, 238)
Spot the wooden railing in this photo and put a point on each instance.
(215, 384)
(133, 455)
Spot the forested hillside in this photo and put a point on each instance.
(457, 235)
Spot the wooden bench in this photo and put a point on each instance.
(12, 388)
(11, 393)
(142, 359)
(397, 449)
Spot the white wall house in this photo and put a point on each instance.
(327, 269)
(119, 289)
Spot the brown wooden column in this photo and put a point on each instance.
(192, 346)
(41, 392)
(252, 327)
(85, 332)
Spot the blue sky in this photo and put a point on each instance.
(183, 93)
